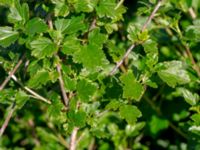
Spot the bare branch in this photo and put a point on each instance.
(192, 13)
(195, 66)
(93, 25)
(152, 15)
(61, 82)
(122, 60)
(119, 4)
(11, 73)
(35, 95)
(5, 124)
(73, 139)
(133, 45)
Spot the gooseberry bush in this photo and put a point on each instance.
(99, 74)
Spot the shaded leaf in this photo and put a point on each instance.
(132, 88)
(173, 73)
(19, 13)
(85, 90)
(7, 36)
(35, 25)
(43, 47)
(109, 9)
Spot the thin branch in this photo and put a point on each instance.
(133, 45)
(73, 139)
(195, 66)
(5, 124)
(119, 4)
(11, 73)
(93, 24)
(35, 95)
(122, 60)
(61, 82)
(192, 13)
(152, 15)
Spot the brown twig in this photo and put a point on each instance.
(5, 124)
(192, 13)
(134, 44)
(73, 139)
(33, 93)
(61, 82)
(93, 24)
(195, 66)
(11, 73)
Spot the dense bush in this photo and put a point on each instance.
(99, 74)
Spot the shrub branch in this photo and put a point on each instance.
(11, 73)
(134, 44)
(7, 120)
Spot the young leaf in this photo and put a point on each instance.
(97, 38)
(35, 25)
(40, 78)
(61, 8)
(21, 99)
(173, 73)
(43, 47)
(85, 90)
(109, 9)
(7, 36)
(190, 98)
(85, 5)
(71, 45)
(157, 124)
(130, 113)
(132, 88)
(77, 118)
(151, 50)
(70, 26)
(19, 13)
(92, 57)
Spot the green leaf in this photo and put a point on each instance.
(71, 45)
(21, 99)
(7, 96)
(173, 73)
(77, 118)
(43, 47)
(193, 31)
(113, 105)
(130, 113)
(132, 88)
(61, 8)
(55, 109)
(196, 119)
(7, 36)
(86, 90)
(151, 50)
(97, 38)
(85, 5)
(35, 25)
(70, 84)
(109, 9)
(157, 124)
(133, 32)
(19, 13)
(70, 26)
(92, 57)
(39, 78)
(190, 98)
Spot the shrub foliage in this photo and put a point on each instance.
(99, 74)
